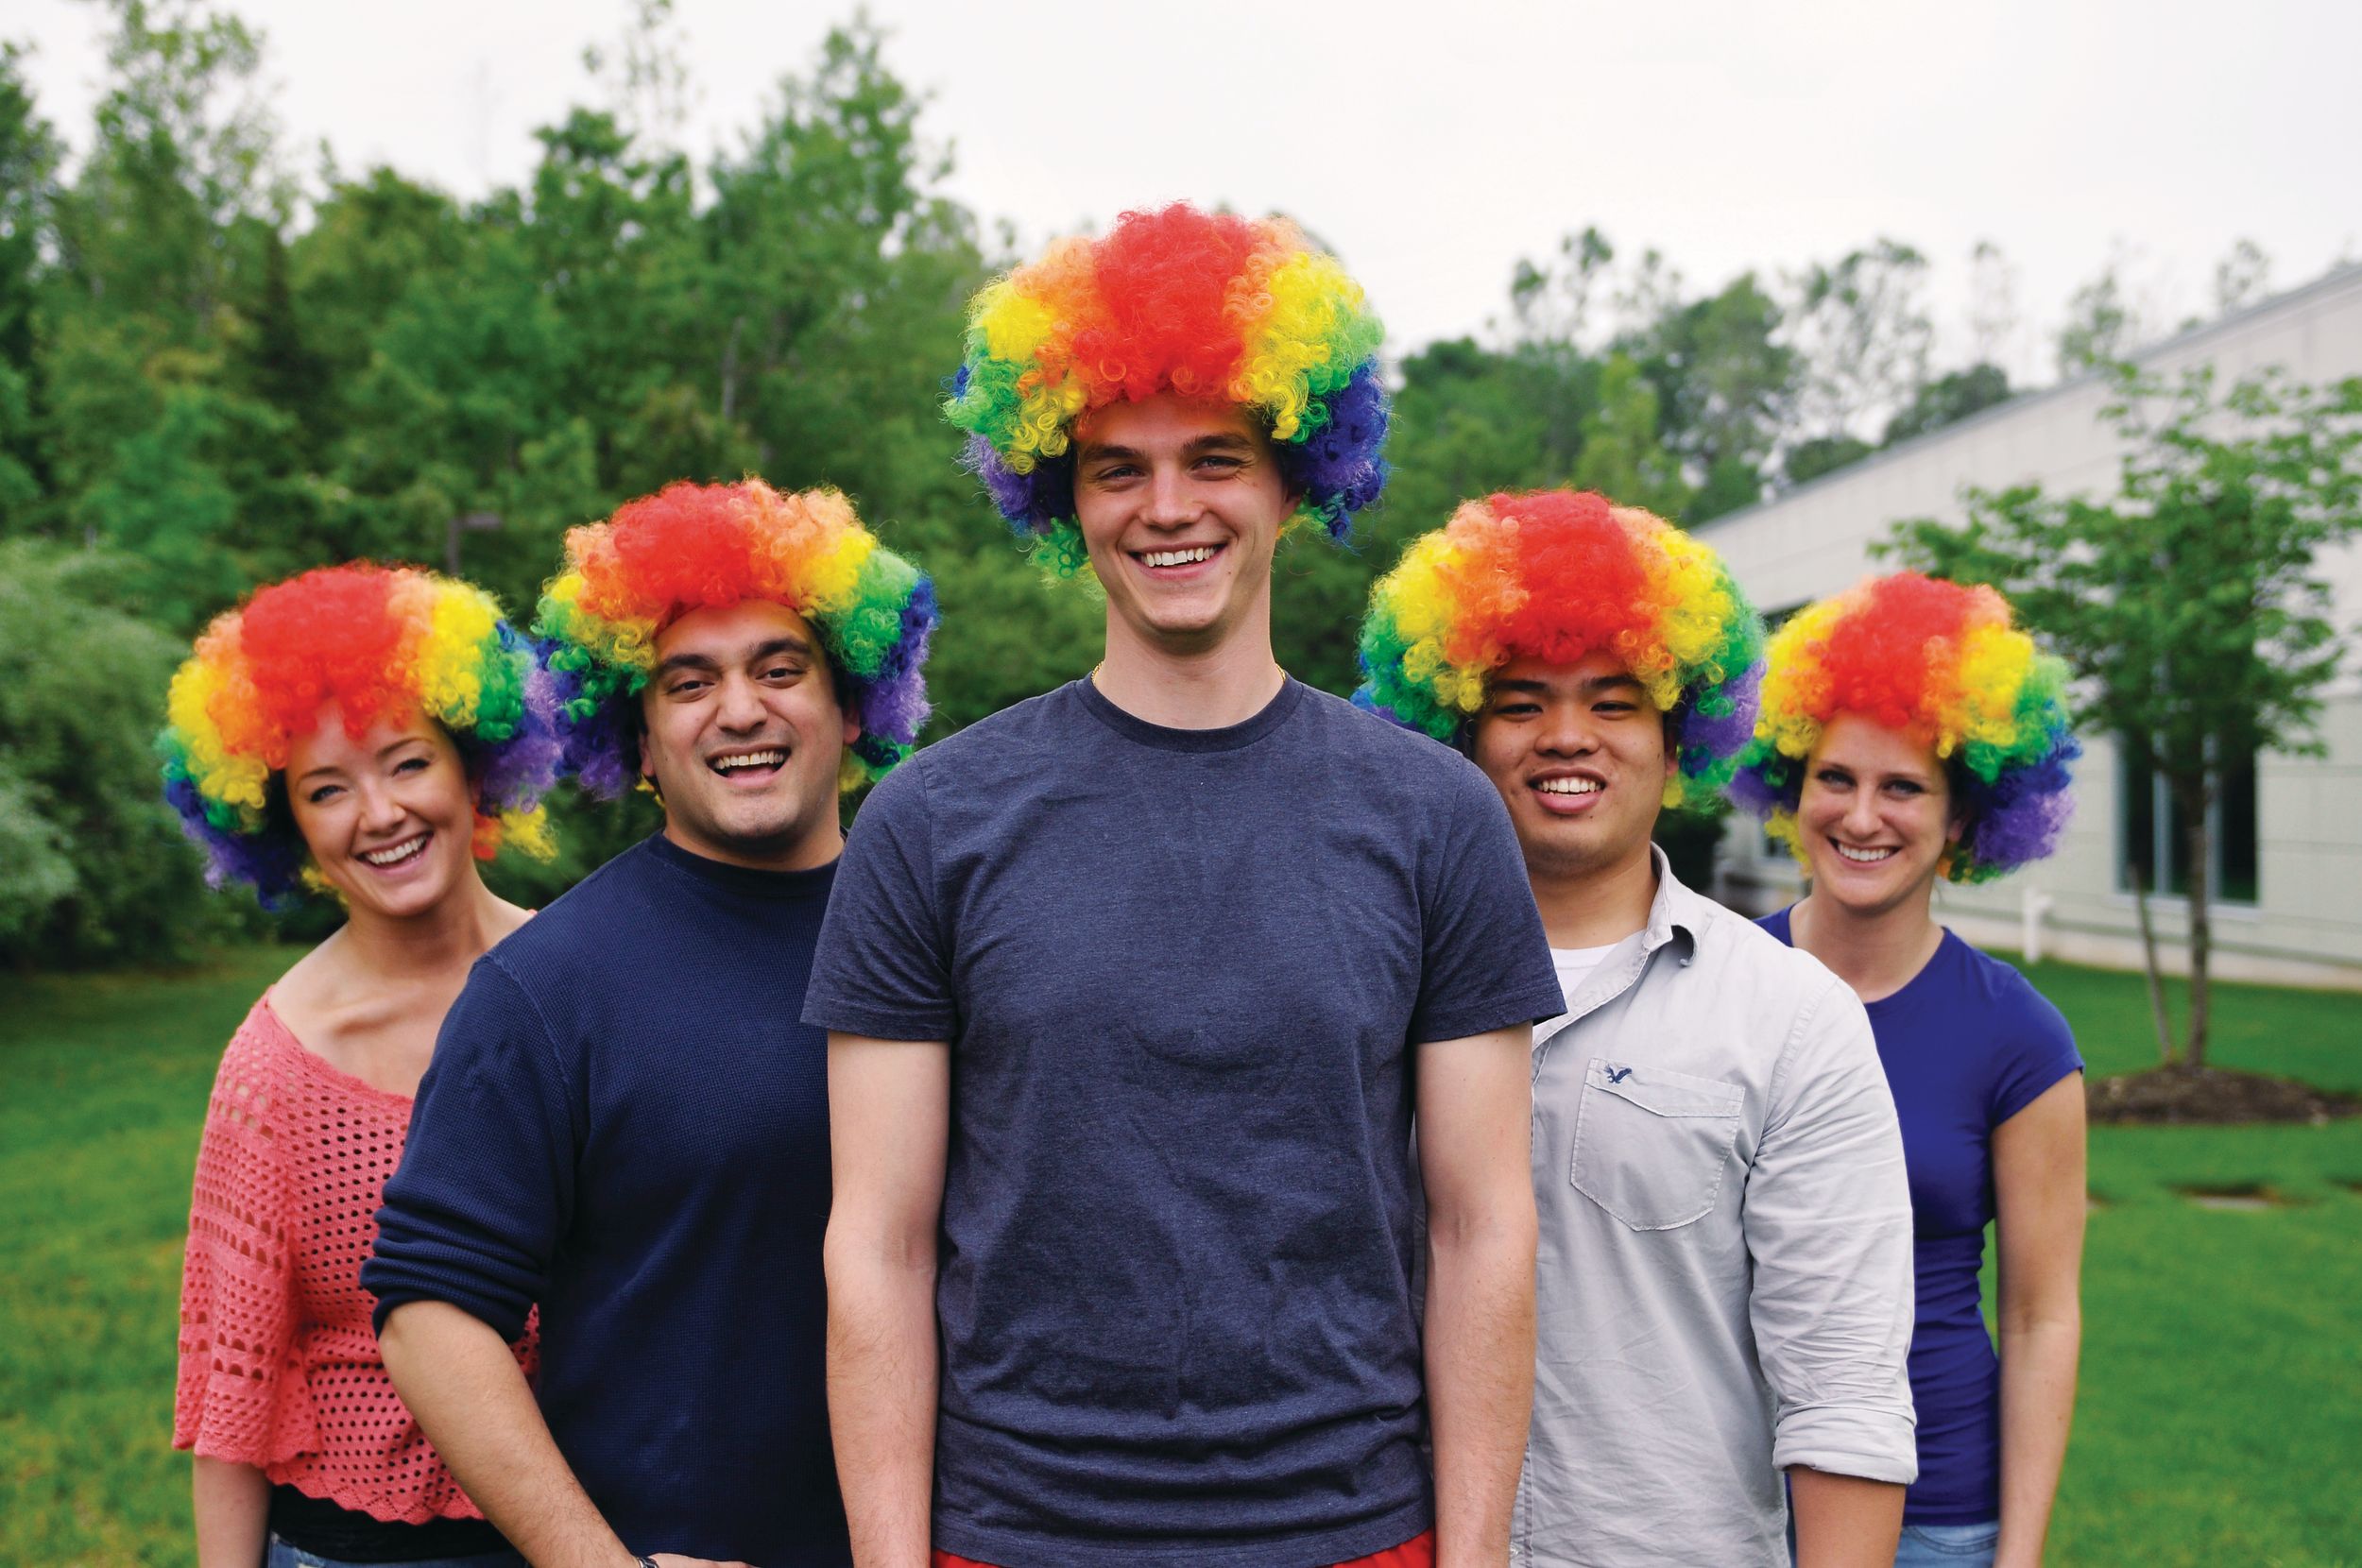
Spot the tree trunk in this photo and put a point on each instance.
(2202, 924)
(2168, 1052)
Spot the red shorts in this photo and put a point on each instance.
(1417, 1552)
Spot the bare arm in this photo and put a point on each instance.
(2039, 1192)
(889, 1127)
(233, 1503)
(1844, 1521)
(1476, 1129)
(457, 1376)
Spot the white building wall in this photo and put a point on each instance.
(2307, 923)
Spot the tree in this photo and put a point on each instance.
(2188, 604)
(1622, 458)
(96, 870)
(28, 168)
(1864, 331)
(1726, 387)
(2241, 278)
(2102, 327)
(1948, 398)
(1823, 454)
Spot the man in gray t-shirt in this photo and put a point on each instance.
(1134, 989)
(1724, 1273)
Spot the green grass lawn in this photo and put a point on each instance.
(2220, 1424)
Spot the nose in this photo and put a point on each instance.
(380, 812)
(1567, 730)
(1170, 503)
(1861, 815)
(740, 706)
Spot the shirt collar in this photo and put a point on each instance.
(1675, 913)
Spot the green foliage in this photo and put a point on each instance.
(2188, 604)
(1823, 454)
(96, 868)
(1948, 398)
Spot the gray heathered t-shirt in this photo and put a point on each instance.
(1182, 973)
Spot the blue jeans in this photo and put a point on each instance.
(280, 1555)
(1948, 1546)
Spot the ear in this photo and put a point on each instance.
(647, 759)
(852, 726)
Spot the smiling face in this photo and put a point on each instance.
(388, 815)
(1578, 752)
(742, 737)
(1876, 816)
(1180, 504)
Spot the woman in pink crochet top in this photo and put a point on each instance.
(369, 732)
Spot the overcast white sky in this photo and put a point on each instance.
(1435, 143)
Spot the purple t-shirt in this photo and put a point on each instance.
(1967, 1044)
(1182, 974)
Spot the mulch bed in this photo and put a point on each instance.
(2219, 1096)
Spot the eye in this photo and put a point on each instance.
(320, 793)
(1906, 788)
(412, 764)
(783, 673)
(1833, 779)
(1515, 708)
(1615, 709)
(686, 685)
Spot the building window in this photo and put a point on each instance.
(2153, 833)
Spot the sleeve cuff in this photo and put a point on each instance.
(504, 1318)
(1525, 1008)
(1870, 1445)
(878, 1023)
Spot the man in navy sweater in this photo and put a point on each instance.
(626, 1122)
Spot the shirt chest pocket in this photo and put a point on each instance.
(1652, 1147)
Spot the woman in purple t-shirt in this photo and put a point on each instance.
(1908, 731)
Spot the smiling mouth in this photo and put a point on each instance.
(748, 764)
(1165, 559)
(1570, 786)
(397, 854)
(1862, 857)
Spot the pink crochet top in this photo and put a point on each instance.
(278, 1367)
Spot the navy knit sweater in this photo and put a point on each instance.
(627, 1123)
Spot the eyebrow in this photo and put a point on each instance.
(785, 643)
(1594, 687)
(383, 752)
(1196, 447)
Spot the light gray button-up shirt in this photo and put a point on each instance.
(1724, 1280)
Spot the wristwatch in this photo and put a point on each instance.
(643, 1563)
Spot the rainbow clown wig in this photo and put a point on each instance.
(693, 547)
(1942, 663)
(382, 644)
(1558, 575)
(1206, 305)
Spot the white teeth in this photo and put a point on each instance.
(1179, 557)
(1570, 786)
(398, 854)
(750, 760)
(1863, 855)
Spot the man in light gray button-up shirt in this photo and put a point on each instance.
(1724, 1273)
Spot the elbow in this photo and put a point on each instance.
(859, 1253)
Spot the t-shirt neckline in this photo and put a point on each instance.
(1228, 738)
(781, 886)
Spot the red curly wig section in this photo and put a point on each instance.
(326, 636)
